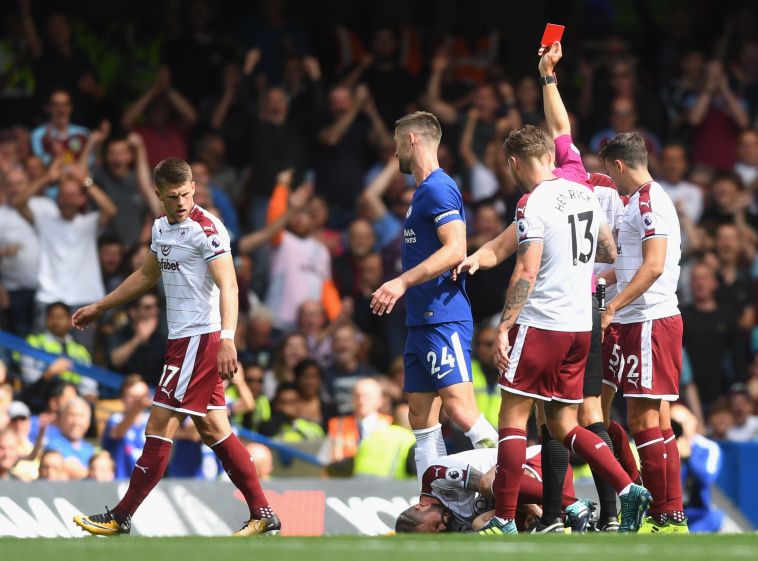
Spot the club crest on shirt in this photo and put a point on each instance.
(182, 235)
(408, 214)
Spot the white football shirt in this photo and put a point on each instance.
(613, 207)
(565, 217)
(649, 214)
(446, 477)
(184, 250)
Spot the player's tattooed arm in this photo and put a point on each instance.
(474, 477)
(606, 245)
(517, 296)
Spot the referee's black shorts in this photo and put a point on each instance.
(593, 372)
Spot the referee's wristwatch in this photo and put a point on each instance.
(88, 182)
(545, 80)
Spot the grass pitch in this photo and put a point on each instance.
(396, 548)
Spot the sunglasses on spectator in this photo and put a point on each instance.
(254, 380)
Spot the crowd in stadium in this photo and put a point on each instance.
(288, 129)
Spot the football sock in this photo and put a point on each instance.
(241, 470)
(147, 472)
(623, 451)
(530, 492)
(606, 493)
(555, 461)
(429, 446)
(482, 434)
(511, 457)
(600, 458)
(674, 506)
(652, 452)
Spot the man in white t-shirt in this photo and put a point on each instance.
(19, 255)
(648, 352)
(69, 268)
(300, 268)
(682, 192)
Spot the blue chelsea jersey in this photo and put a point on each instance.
(436, 201)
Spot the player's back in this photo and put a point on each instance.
(184, 250)
(565, 217)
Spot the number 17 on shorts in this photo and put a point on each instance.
(437, 356)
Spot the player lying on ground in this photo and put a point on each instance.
(456, 495)
(190, 250)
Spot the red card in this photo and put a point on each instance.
(553, 33)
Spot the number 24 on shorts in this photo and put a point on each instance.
(446, 359)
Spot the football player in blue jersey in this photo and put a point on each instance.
(437, 353)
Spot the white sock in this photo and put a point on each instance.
(625, 490)
(429, 445)
(482, 432)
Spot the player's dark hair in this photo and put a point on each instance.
(172, 172)
(51, 307)
(528, 142)
(422, 123)
(629, 147)
(410, 519)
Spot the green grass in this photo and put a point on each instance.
(400, 548)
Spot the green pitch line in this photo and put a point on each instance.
(437, 548)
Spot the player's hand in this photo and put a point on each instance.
(502, 350)
(606, 318)
(469, 265)
(86, 315)
(385, 297)
(549, 57)
(226, 362)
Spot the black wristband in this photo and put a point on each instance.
(545, 80)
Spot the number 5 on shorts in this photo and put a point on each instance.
(172, 370)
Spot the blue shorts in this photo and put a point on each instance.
(437, 356)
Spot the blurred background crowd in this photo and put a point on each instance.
(285, 111)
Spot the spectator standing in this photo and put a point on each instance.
(346, 269)
(125, 177)
(59, 137)
(747, 159)
(69, 268)
(169, 118)
(717, 114)
(19, 255)
(346, 133)
(709, 333)
(684, 194)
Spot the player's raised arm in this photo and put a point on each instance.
(556, 115)
(452, 235)
(139, 282)
(222, 271)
